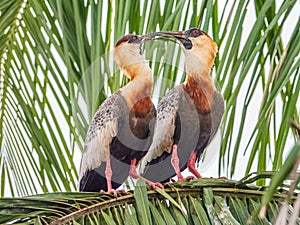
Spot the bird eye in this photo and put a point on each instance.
(194, 32)
(133, 39)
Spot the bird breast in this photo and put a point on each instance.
(201, 93)
(140, 116)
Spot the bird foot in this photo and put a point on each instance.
(223, 178)
(112, 191)
(188, 178)
(134, 175)
(153, 185)
(191, 165)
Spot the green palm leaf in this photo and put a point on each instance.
(232, 205)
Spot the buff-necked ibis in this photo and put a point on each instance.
(189, 115)
(121, 130)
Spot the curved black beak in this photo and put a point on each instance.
(169, 35)
(165, 34)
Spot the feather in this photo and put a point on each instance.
(103, 128)
(217, 112)
(180, 122)
(164, 128)
(118, 135)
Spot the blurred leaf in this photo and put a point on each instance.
(292, 159)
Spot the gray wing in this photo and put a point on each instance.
(103, 128)
(217, 112)
(164, 127)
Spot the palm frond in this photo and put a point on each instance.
(56, 67)
(203, 201)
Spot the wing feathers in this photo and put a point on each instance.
(217, 112)
(164, 128)
(103, 128)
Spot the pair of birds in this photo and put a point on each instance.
(127, 129)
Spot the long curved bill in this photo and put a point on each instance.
(165, 34)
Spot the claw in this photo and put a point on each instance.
(180, 179)
(112, 191)
(156, 184)
(190, 178)
(134, 175)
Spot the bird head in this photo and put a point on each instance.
(128, 54)
(196, 44)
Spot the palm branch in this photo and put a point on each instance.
(201, 201)
(56, 68)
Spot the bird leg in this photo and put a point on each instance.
(175, 163)
(132, 171)
(108, 174)
(191, 165)
(134, 175)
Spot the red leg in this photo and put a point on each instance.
(175, 163)
(108, 174)
(134, 175)
(132, 171)
(191, 165)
